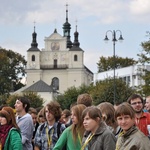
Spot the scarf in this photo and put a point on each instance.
(4, 129)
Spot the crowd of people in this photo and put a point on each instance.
(82, 127)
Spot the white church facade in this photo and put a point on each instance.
(58, 66)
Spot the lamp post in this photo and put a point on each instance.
(114, 40)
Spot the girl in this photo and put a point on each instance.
(10, 136)
(72, 136)
(97, 135)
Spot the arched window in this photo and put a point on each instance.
(75, 58)
(33, 57)
(55, 83)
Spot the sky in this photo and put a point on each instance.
(94, 19)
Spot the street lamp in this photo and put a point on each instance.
(114, 40)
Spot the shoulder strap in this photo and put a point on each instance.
(58, 129)
(42, 126)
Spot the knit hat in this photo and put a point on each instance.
(4, 113)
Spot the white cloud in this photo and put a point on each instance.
(140, 7)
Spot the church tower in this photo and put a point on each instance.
(66, 29)
(33, 61)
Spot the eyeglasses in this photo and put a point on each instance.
(135, 103)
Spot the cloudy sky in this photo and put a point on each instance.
(94, 19)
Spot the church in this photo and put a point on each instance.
(58, 66)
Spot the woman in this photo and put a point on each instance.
(72, 136)
(108, 115)
(131, 138)
(10, 136)
(97, 135)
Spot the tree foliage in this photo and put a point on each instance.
(144, 59)
(12, 70)
(70, 96)
(103, 91)
(106, 64)
(35, 100)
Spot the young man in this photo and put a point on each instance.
(24, 121)
(142, 119)
(48, 133)
(131, 138)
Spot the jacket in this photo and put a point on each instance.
(13, 140)
(103, 139)
(133, 139)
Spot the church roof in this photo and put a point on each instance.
(39, 86)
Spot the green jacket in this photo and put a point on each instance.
(13, 140)
(66, 140)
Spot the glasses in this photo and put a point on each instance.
(135, 103)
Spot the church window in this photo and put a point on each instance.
(75, 58)
(33, 57)
(55, 63)
(55, 83)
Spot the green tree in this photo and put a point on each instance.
(106, 64)
(35, 100)
(12, 70)
(103, 91)
(70, 96)
(144, 59)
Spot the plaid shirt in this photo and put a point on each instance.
(41, 137)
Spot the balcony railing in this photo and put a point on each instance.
(65, 66)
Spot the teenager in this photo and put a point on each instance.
(48, 133)
(10, 136)
(72, 136)
(24, 121)
(97, 135)
(131, 138)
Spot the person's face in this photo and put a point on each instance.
(34, 118)
(137, 105)
(147, 104)
(18, 106)
(125, 122)
(3, 120)
(49, 116)
(74, 118)
(90, 124)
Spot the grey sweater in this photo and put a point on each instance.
(25, 124)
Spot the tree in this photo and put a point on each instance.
(35, 100)
(144, 58)
(70, 96)
(103, 91)
(106, 64)
(12, 66)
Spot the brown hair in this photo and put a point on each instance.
(12, 117)
(109, 111)
(85, 99)
(66, 112)
(134, 96)
(55, 109)
(32, 111)
(78, 129)
(93, 113)
(124, 109)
